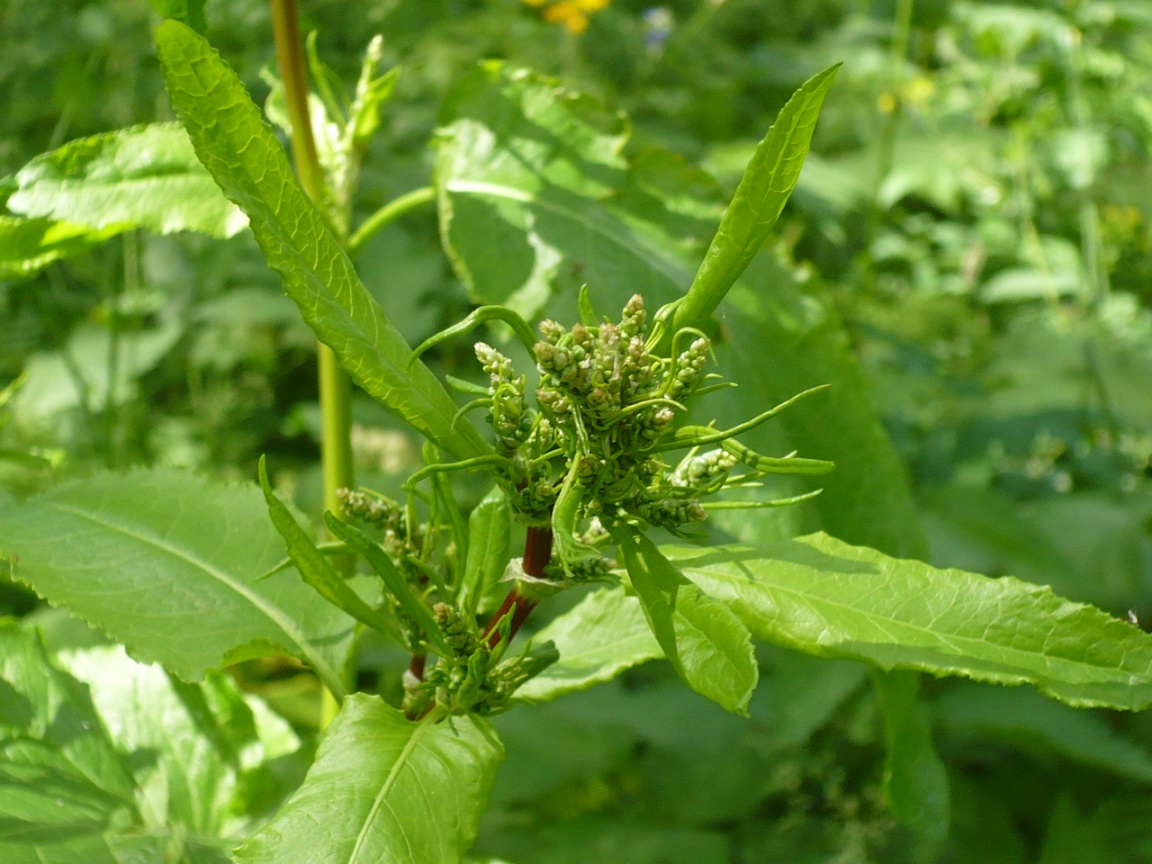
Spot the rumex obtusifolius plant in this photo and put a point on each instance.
(600, 453)
(588, 458)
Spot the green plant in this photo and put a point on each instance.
(536, 199)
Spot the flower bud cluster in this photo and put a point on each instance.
(706, 471)
(380, 512)
(581, 571)
(605, 403)
(509, 414)
(459, 634)
(609, 398)
(671, 512)
(400, 540)
(688, 367)
(473, 678)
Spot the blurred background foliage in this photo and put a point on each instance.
(977, 205)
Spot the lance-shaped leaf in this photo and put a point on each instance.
(169, 564)
(143, 177)
(243, 155)
(819, 595)
(702, 638)
(606, 633)
(763, 191)
(315, 568)
(397, 585)
(489, 547)
(385, 789)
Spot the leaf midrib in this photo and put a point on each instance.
(946, 637)
(271, 612)
(389, 782)
(367, 331)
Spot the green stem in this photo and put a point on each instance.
(335, 387)
(388, 214)
(290, 60)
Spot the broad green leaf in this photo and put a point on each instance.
(384, 788)
(704, 641)
(315, 568)
(489, 549)
(606, 633)
(243, 155)
(821, 596)
(145, 769)
(915, 780)
(190, 12)
(1025, 719)
(763, 191)
(64, 791)
(143, 177)
(170, 564)
(536, 196)
(206, 751)
(29, 245)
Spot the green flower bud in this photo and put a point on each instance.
(551, 331)
(632, 319)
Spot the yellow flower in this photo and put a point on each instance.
(573, 14)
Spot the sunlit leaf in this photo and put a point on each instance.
(535, 196)
(142, 177)
(170, 564)
(30, 245)
(598, 639)
(701, 637)
(824, 597)
(243, 155)
(763, 191)
(384, 788)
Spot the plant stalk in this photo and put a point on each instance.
(388, 214)
(537, 554)
(335, 387)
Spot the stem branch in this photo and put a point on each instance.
(537, 554)
(388, 214)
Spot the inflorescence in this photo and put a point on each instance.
(606, 411)
(586, 458)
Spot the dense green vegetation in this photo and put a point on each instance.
(199, 664)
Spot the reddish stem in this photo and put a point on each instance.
(416, 666)
(537, 554)
(537, 550)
